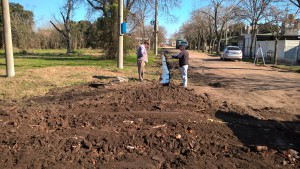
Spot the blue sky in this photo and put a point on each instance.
(44, 11)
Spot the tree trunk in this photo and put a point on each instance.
(275, 51)
(203, 44)
(219, 45)
(69, 44)
(199, 42)
(210, 48)
(251, 47)
(213, 45)
(253, 39)
(68, 27)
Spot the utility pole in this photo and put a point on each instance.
(226, 42)
(9, 57)
(156, 27)
(120, 52)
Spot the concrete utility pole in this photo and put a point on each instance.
(156, 27)
(226, 42)
(9, 57)
(120, 52)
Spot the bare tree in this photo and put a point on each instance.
(222, 12)
(138, 19)
(161, 34)
(252, 11)
(296, 2)
(211, 20)
(280, 19)
(188, 30)
(203, 26)
(109, 18)
(66, 30)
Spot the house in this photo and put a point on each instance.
(287, 48)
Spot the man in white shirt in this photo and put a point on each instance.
(259, 53)
(142, 58)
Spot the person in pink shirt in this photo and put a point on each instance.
(142, 58)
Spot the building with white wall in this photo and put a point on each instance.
(287, 49)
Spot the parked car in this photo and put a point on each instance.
(232, 53)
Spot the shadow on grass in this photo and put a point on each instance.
(50, 54)
(20, 54)
(63, 58)
(104, 77)
(111, 77)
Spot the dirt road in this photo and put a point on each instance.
(232, 115)
(241, 83)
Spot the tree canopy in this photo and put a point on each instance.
(22, 24)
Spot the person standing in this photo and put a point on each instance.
(259, 53)
(142, 58)
(183, 57)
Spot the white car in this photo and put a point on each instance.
(232, 53)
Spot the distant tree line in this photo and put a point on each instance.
(211, 26)
(99, 34)
(21, 26)
(25, 37)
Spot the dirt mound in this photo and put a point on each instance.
(130, 126)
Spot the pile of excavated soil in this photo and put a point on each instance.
(143, 125)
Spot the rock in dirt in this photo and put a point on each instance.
(158, 134)
(3, 113)
(158, 158)
(120, 80)
(292, 152)
(178, 136)
(260, 148)
(128, 122)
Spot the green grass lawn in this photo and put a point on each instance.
(38, 71)
(49, 58)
